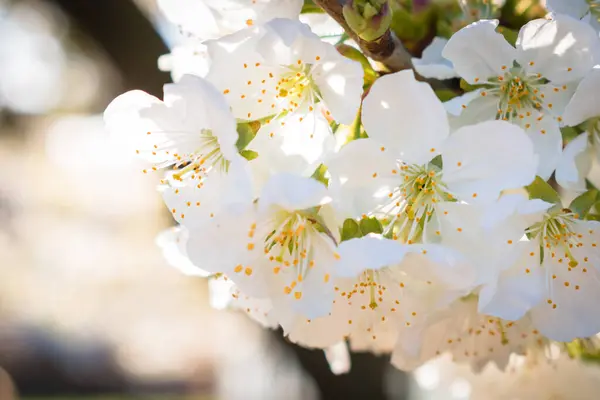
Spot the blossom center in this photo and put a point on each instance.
(204, 158)
(289, 245)
(518, 92)
(369, 292)
(412, 203)
(555, 232)
(296, 87)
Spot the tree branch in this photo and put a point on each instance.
(387, 50)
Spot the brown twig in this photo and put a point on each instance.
(387, 50)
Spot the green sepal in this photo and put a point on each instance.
(540, 189)
(319, 175)
(467, 87)
(569, 133)
(310, 7)
(246, 131)
(445, 94)
(248, 154)
(583, 204)
(370, 225)
(510, 35)
(350, 230)
(370, 75)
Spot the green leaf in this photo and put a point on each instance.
(370, 225)
(350, 230)
(584, 203)
(540, 189)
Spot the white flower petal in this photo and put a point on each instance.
(246, 267)
(572, 293)
(198, 104)
(189, 58)
(356, 186)
(575, 164)
(369, 252)
(193, 16)
(574, 8)
(173, 242)
(585, 103)
(292, 192)
(438, 263)
(519, 288)
(562, 49)
(128, 119)
(297, 147)
(398, 100)
(432, 64)
(482, 160)
(340, 82)
(459, 104)
(479, 52)
(547, 143)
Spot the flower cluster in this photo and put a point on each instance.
(343, 201)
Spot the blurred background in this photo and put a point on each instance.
(89, 308)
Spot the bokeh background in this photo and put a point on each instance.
(88, 305)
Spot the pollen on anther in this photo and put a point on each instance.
(250, 246)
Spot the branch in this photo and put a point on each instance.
(387, 50)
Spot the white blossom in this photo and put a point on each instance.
(584, 109)
(278, 247)
(468, 336)
(193, 133)
(391, 175)
(588, 10)
(529, 85)
(210, 19)
(286, 76)
(555, 277)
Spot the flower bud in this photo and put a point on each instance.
(369, 19)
